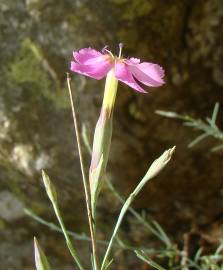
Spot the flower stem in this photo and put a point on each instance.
(86, 186)
(66, 236)
(154, 169)
(163, 237)
(82, 237)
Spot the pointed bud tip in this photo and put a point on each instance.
(172, 150)
(50, 189)
(43, 173)
(35, 241)
(168, 153)
(36, 244)
(46, 180)
(159, 163)
(36, 248)
(40, 258)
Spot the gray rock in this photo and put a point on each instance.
(11, 208)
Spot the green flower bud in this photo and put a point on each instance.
(50, 189)
(40, 258)
(102, 136)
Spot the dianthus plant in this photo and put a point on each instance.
(137, 75)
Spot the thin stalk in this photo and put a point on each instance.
(137, 215)
(52, 226)
(154, 169)
(119, 221)
(66, 236)
(163, 237)
(85, 183)
(82, 237)
(141, 256)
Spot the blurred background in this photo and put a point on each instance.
(37, 38)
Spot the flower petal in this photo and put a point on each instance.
(96, 71)
(125, 76)
(133, 60)
(148, 73)
(86, 54)
(92, 63)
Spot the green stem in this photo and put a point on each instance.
(120, 218)
(165, 239)
(82, 237)
(66, 236)
(154, 169)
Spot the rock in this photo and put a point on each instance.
(37, 40)
(11, 208)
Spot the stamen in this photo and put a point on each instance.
(120, 50)
(106, 50)
(105, 47)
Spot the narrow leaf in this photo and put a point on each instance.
(155, 265)
(198, 139)
(217, 148)
(162, 233)
(215, 114)
(168, 114)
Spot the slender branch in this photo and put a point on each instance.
(52, 226)
(208, 126)
(154, 169)
(86, 186)
(82, 237)
(67, 238)
(142, 256)
(145, 223)
(52, 194)
(162, 236)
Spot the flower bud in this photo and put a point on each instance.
(159, 163)
(102, 136)
(40, 258)
(50, 189)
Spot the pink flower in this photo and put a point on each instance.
(95, 64)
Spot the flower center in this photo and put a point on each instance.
(105, 50)
(111, 55)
